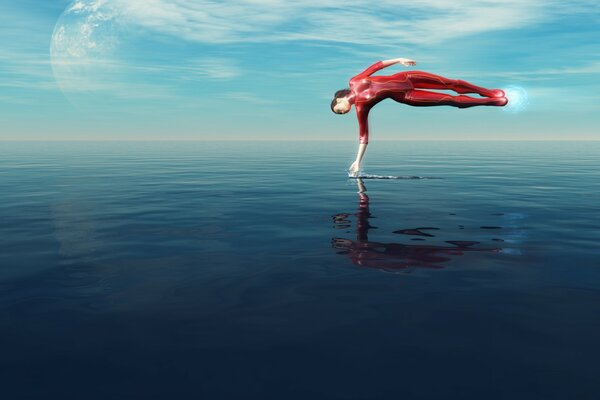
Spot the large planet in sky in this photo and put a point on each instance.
(84, 50)
(104, 52)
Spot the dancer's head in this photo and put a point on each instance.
(340, 103)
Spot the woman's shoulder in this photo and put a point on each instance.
(360, 79)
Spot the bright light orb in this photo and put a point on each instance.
(518, 100)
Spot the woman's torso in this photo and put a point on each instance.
(372, 89)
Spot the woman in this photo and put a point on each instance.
(404, 87)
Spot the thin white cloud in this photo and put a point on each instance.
(152, 81)
(385, 22)
(15, 100)
(215, 68)
(592, 68)
(247, 97)
(549, 98)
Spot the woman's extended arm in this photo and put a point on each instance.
(362, 112)
(382, 64)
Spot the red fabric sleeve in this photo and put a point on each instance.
(362, 113)
(372, 69)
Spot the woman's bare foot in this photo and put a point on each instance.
(497, 93)
(500, 101)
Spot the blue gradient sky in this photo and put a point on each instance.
(188, 69)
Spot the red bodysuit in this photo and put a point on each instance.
(367, 90)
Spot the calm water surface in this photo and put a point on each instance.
(240, 270)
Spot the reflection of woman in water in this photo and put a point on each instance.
(404, 87)
(394, 256)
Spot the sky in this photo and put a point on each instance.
(267, 69)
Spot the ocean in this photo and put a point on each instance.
(260, 270)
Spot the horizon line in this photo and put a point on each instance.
(297, 140)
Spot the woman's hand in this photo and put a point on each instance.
(407, 62)
(404, 61)
(354, 168)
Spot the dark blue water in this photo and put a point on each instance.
(203, 270)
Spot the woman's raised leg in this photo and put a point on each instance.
(425, 80)
(424, 98)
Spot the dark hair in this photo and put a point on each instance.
(337, 95)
